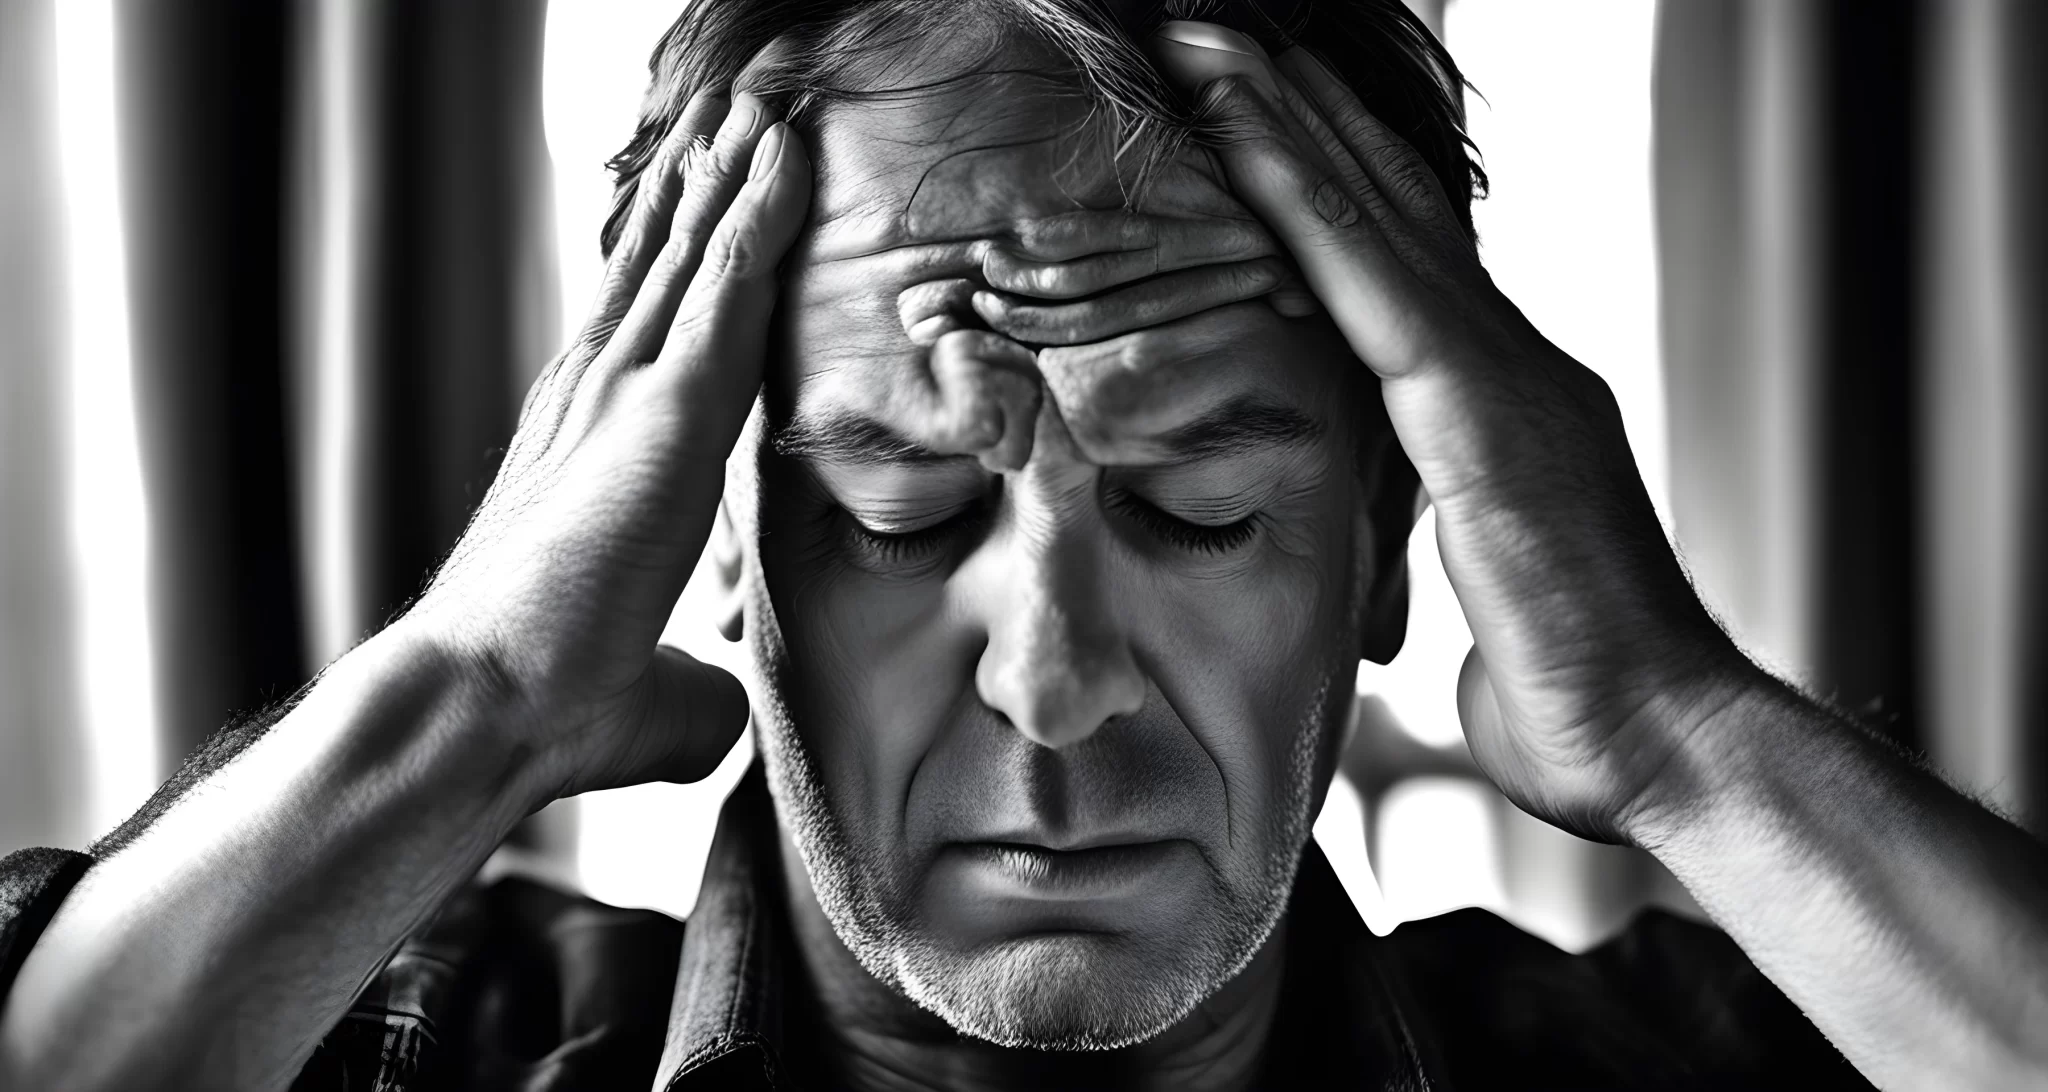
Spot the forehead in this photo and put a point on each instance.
(994, 146)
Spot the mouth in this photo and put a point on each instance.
(1097, 871)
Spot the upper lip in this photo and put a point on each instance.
(1074, 843)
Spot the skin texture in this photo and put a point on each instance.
(1049, 721)
(1910, 924)
(219, 946)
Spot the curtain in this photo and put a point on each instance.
(340, 282)
(340, 286)
(42, 776)
(1852, 269)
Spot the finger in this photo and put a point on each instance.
(550, 400)
(975, 392)
(1200, 52)
(1392, 165)
(1312, 129)
(682, 716)
(1214, 52)
(983, 400)
(1418, 239)
(714, 347)
(1090, 254)
(1121, 397)
(932, 309)
(647, 225)
(1344, 255)
(712, 177)
(1294, 298)
(1147, 303)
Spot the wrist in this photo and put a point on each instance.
(1714, 748)
(447, 711)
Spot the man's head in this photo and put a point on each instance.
(1049, 738)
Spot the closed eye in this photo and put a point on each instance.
(904, 547)
(1185, 534)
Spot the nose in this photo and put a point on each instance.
(1057, 665)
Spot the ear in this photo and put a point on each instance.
(728, 567)
(1390, 502)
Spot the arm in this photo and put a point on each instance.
(223, 942)
(218, 947)
(1910, 924)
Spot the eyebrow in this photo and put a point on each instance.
(1243, 424)
(852, 439)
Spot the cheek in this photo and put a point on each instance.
(1246, 661)
(876, 670)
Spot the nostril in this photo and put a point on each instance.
(1061, 706)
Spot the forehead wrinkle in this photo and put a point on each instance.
(874, 155)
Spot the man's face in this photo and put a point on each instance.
(1049, 741)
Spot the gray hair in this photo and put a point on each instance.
(826, 51)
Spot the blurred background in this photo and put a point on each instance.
(274, 278)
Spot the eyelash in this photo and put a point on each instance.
(909, 546)
(921, 544)
(1203, 538)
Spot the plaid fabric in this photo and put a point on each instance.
(519, 986)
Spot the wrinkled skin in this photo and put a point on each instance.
(1034, 617)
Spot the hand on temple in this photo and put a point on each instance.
(565, 578)
(1593, 659)
(1903, 919)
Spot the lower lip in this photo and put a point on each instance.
(1100, 872)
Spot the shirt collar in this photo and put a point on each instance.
(1340, 1014)
(727, 1012)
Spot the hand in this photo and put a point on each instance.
(1594, 661)
(559, 590)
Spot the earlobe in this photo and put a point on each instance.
(728, 570)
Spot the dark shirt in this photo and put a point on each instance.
(516, 985)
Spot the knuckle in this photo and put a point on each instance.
(1230, 95)
(741, 255)
(1135, 355)
(1057, 325)
(692, 326)
(1255, 276)
(1043, 280)
(1332, 202)
(738, 252)
(674, 255)
(1247, 239)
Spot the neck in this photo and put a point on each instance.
(872, 1039)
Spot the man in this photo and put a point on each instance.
(1061, 517)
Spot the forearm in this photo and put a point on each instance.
(222, 944)
(1908, 922)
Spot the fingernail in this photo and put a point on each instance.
(928, 331)
(1231, 53)
(741, 118)
(767, 152)
(1209, 36)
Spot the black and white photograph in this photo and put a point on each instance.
(991, 545)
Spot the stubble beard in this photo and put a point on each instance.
(1066, 993)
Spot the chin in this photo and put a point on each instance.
(1061, 991)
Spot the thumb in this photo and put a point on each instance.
(676, 723)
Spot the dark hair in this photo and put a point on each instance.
(1398, 69)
